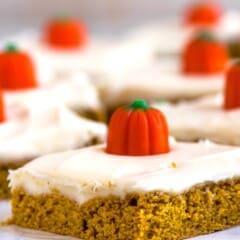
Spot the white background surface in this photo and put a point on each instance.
(16, 233)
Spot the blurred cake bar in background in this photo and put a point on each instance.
(215, 117)
(35, 125)
(19, 76)
(135, 187)
(167, 37)
(65, 46)
(197, 73)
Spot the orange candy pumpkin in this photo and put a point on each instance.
(204, 13)
(66, 33)
(232, 87)
(2, 110)
(16, 69)
(137, 130)
(204, 54)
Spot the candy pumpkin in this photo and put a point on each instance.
(137, 130)
(204, 54)
(66, 33)
(16, 69)
(232, 87)
(204, 13)
(2, 111)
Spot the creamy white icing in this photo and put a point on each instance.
(37, 125)
(90, 172)
(204, 118)
(161, 80)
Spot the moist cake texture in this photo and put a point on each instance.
(94, 195)
(155, 215)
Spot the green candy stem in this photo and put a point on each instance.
(206, 35)
(11, 48)
(139, 104)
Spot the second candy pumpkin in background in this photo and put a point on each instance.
(66, 33)
(205, 55)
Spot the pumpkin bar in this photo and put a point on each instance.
(18, 73)
(199, 72)
(138, 186)
(35, 126)
(214, 117)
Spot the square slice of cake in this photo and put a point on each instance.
(88, 193)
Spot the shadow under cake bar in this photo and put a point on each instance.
(133, 188)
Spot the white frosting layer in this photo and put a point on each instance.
(90, 172)
(162, 80)
(201, 119)
(36, 125)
